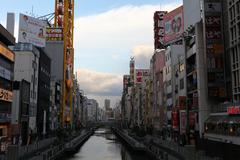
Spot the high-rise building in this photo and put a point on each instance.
(107, 104)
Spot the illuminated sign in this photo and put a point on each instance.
(54, 34)
(233, 110)
(6, 52)
(6, 95)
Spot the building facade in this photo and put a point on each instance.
(43, 100)
(7, 59)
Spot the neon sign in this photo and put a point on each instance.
(233, 110)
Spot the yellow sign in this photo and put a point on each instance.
(6, 95)
(6, 52)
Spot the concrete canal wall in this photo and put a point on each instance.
(48, 149)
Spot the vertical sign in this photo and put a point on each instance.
(214, 47)
(159, 29)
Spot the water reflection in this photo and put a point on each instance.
(104, 145)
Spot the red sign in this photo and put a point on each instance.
(233, 110)
(159, 29)
(140, 73)
(173, 25)
(174, 119)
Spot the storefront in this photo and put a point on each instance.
(227, 124)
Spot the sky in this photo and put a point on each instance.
(106, 34)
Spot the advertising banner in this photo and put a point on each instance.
(214, 47)
(32, 30)
(140, 73)
(6, 95)
(159, 29)
(54, 34)
(173, 25)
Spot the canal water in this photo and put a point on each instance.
(104, 145)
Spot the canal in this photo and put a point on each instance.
(104, 145)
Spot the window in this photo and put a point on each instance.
(181, 84)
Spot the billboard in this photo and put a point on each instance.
(54, 34)
(140, 74)
(214, 48)
(32, 30)
(173, 25)
(159, 29)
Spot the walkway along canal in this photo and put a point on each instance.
(104, 145)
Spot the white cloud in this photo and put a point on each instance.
(142, 55)
(117, 30)
(99, 83)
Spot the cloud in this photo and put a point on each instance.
(115, 31)
(142, 55)
(99, 83)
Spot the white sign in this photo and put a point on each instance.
(32, 30)
(5, 73)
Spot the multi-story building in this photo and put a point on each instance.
(156, 72)
(7, 59)
(26, 68)
(107, 104)
(234, 36)
(43, 99)
(92, 106)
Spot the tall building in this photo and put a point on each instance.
(107, 104)
(92, 106)
(234, 36)
(26, 68)
(43, 103)
(7, 59)
(156, 71)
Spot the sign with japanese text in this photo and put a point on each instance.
(6, 95)
(6, 52)
(140, 74)
(54, 34)
(214, 47)
(159, 29)
(233, 110)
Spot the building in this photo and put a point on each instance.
(107, 104)
(234, 35)
(7, 59)
(26, 68)
(54, 109)
(20, 119)
(157, 68)
(43, 99)
(92, 106)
